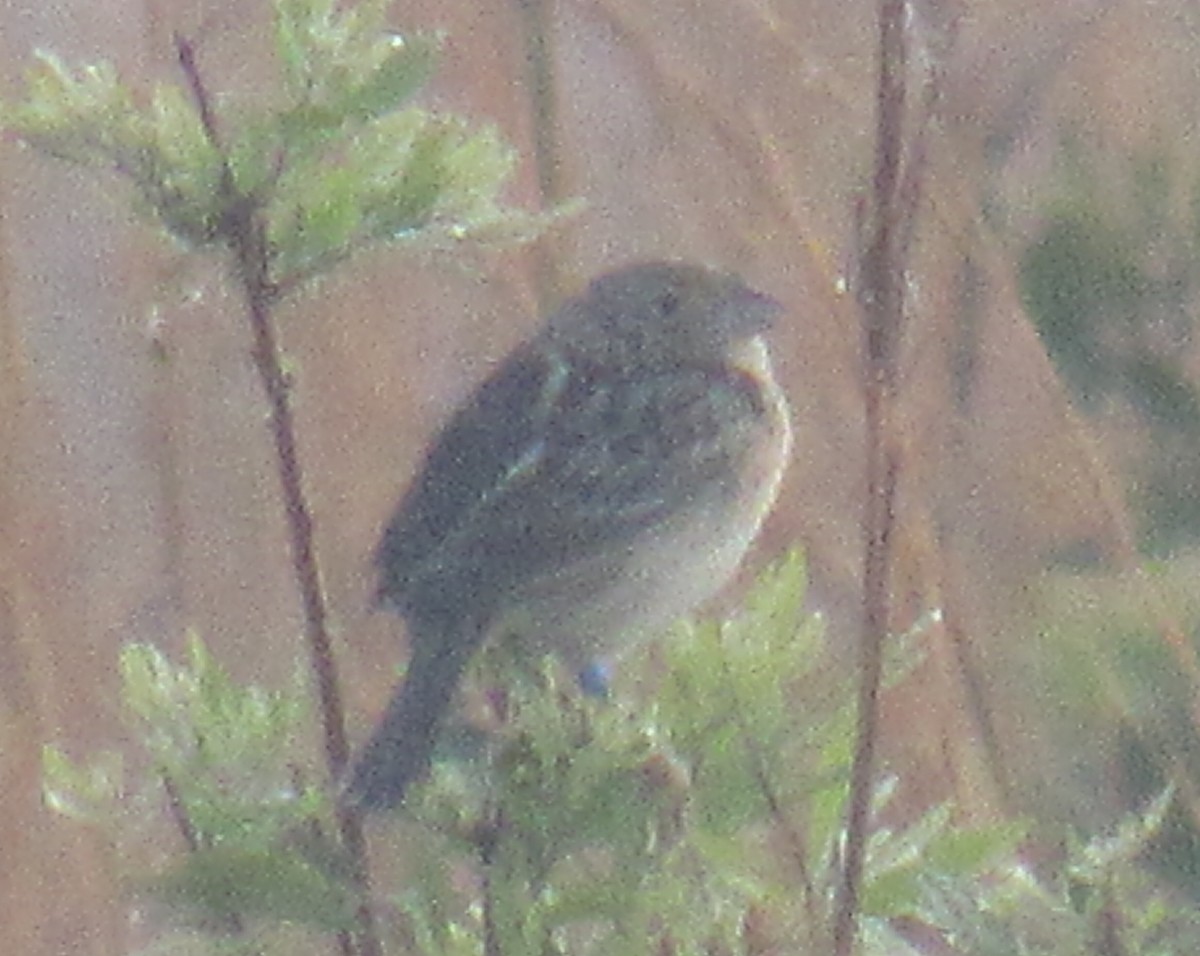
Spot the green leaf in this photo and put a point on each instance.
(277, 884)
(85, 793)
(406, 68)
(226, 748)
(343, 64)
(1101, 855)
(893, 893)
(966, 851)
(89, 117)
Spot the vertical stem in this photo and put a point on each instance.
(882, 300)
(266, 357)
(242, 227)
(249, 243)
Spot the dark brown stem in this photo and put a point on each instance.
(179, 813)
(185, 52)
(242, 227)
(249, 243)
(882, 287)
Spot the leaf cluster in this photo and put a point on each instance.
(708, 819)
(704, 815)
(222, 760)
(338, 158)
(1110, 281)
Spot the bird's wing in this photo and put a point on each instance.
(491, 442)
(551, 462)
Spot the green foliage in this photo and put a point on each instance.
(1097, 900)
(224, 747)
(226, 885)
(708, 820)
(87, 793)
(338, 160)
(1109, 282)
(703, 815)
(87, 116)
(1096, 304)
(1077, 278)
(345, 65)
(1117, 697)
(1108, 290)
(223, 763)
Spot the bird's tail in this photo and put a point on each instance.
(400, 749)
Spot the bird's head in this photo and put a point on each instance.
(660, 313)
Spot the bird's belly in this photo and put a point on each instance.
(608, 603)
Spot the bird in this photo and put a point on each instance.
(604, 481)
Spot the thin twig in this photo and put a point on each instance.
(881, 297)
(179, 813)
(243, 229)
(186, 54)
(249, 243)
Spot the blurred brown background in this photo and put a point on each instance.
(137, 496)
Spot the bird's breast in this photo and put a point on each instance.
(683, 555)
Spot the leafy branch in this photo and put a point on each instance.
(340, 160)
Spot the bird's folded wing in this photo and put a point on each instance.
(552, 462)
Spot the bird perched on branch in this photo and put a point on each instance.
(606, 479)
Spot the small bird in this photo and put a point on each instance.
(603, 482)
